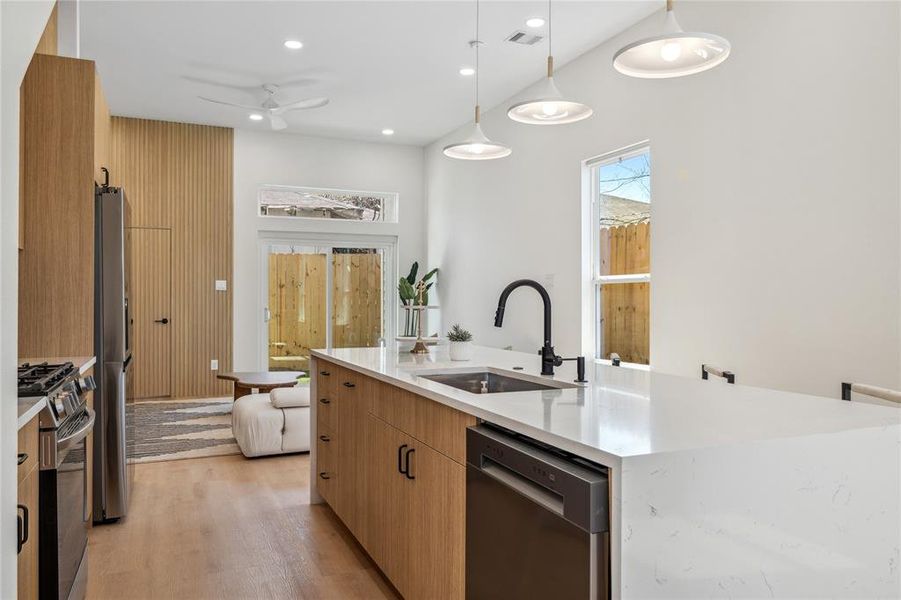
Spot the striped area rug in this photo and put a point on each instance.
(178, 429)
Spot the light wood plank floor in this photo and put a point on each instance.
(228, 527)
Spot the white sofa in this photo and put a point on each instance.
(279, 423)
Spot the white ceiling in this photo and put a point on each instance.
(382, 64)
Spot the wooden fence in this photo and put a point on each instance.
(625, 307)
(297, 303)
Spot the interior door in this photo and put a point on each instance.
(150, 304)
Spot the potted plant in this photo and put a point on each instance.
(407, 290)
(460, 343)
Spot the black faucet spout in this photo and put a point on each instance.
(549, 358)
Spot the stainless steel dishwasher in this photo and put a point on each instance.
(537, 520)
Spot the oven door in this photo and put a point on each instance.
(72, 510)
(64, 511)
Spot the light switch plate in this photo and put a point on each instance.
(214, 365)
(221, 285)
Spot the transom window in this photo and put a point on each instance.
(320, 203)
(621, 257)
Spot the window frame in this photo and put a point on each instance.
(592, 169)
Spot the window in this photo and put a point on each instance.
(621, 269)
(316, 203)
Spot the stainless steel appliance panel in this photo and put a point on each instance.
(112, 343)
(537, 524)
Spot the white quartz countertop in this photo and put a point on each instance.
(29, 409)
(622, 412)
(82, 363)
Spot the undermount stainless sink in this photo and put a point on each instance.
(491, 381)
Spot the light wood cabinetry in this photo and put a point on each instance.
(27, 578)
(396, 476)
(65, 128)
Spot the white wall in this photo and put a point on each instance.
(775, 248)
(287, 159)
(21, 26)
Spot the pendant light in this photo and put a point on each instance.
(548, 106)
(673, 53)
(476, 145)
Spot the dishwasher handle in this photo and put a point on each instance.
(571, 487)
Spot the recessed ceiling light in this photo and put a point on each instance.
(535, 22)
(387, 132)
(467, 71)
(256, 117)
(293, 44)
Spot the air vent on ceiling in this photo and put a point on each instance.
(526, 39)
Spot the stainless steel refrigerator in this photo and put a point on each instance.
(114, 428)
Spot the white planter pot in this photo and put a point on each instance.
(461, 350)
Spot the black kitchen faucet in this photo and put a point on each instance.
(549, 358)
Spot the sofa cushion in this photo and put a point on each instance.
(292, 397)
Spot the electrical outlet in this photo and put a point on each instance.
(214, 365)
(221, 285)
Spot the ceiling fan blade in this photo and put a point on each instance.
(245, 106)
(306, 103)
(277, 122)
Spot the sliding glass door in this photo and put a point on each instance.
(323, 296)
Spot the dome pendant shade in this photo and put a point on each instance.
(476, 145)
(548, 107)
(673, 53)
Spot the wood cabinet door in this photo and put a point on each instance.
(388, 503)
(436, 525)
(28, 559)
(150, 304)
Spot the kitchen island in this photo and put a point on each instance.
(716, 490)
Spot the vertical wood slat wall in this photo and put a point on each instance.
(179, 177)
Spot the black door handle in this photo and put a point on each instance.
(324, 373)
(164, 320)
(400, 459)
(407, 461)
(325, 401)
(23, 527)
(325, 438)
(348, 384)
(325, 475)
(23, 456)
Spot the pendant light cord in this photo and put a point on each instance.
(478, 70)
(550, 41)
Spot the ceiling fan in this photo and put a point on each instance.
(273, 109)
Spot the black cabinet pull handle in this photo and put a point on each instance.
(400, 459)
(325, 475)
(348, 384)
(164, 320)
(324, 373)
(325, 438)
(325, 401)
(23, 527)
(23, 456)
(407, 461)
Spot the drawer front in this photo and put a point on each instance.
(325, 415)
(348, 385)
(325, 374)
(441, 427)
(325, 469)
(28, 444)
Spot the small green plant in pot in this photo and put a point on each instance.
(460, 343)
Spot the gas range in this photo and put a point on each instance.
(64, 388)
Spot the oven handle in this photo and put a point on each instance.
(78, 435)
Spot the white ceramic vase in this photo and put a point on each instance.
(461, 350)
